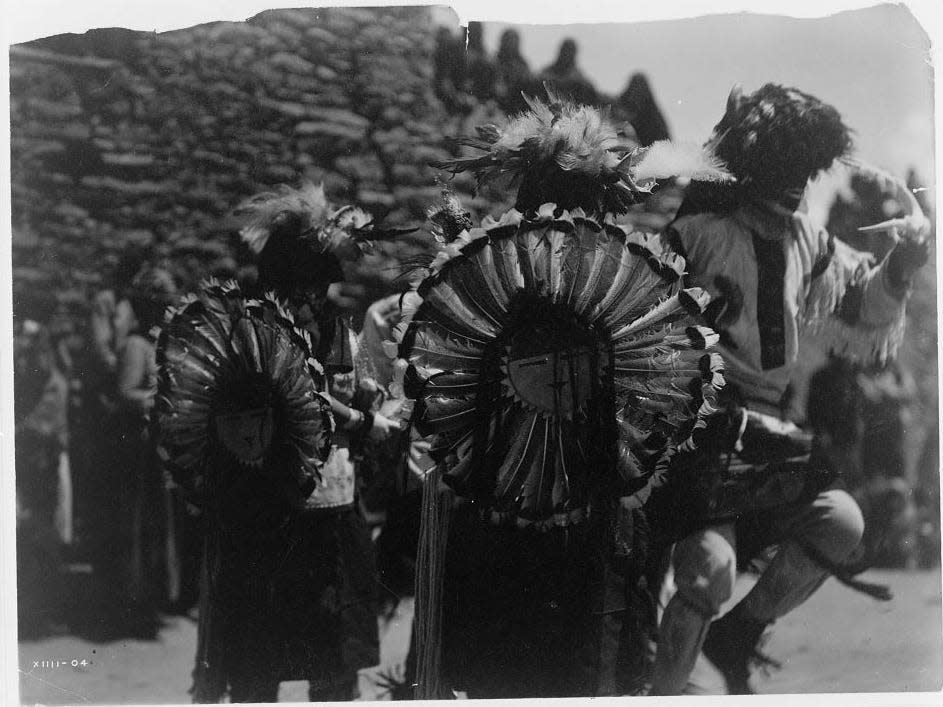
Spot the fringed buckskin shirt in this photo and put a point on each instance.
(775, 278)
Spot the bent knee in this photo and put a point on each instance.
(705, 571)
(841, 527)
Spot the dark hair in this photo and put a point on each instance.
(778, 138)
(509, 45)
(152, 291)
(474, 36)
(129, 264)
(287, 264)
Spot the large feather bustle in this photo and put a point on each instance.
(573, 156)
(616, 280)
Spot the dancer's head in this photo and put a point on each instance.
(776, 139)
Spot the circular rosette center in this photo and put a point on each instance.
(555, 382)
(246, 434)
(244, 418)
(553, 361)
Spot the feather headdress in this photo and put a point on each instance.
(777, 138)
(299, 233)
(571, 155)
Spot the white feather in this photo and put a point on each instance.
(260, 211)
(578, 137)
(665, 159)
(255, 237)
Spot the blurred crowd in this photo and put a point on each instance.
(106, 544)
(466, 76)
(104, 541)
(886, 417)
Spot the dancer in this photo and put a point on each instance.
(555, 362)
(774, 278)
(289, 585)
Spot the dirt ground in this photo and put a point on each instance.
(840, 641)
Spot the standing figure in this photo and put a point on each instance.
(328, 577)
(774, 277)
(512, 74)
(565, 77)
(40, 399)
(481, 71)
(637, 105)
(555, 364)
(449, 69)
(92, 444)
(139, 541)
(289, 585)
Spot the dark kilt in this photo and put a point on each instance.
(528, 613)
(298, 603)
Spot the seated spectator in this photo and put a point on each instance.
(637, 106)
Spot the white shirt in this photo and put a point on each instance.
(731, 256)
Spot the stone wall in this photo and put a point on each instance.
(122, 137)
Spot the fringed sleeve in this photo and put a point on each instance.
(851, 307)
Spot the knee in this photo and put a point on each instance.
(705, 571)
(841, 527)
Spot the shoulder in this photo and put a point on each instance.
(103, 302)
(694, 227)
(704, 219)
(138, 345)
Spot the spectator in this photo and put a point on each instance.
(888, 495)
(637, 106)
(139, 540)
(481, 73)
(92, 444)
(512, 73)
(112, 315)
(449, 68)
(40, 409)
(565, 77)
